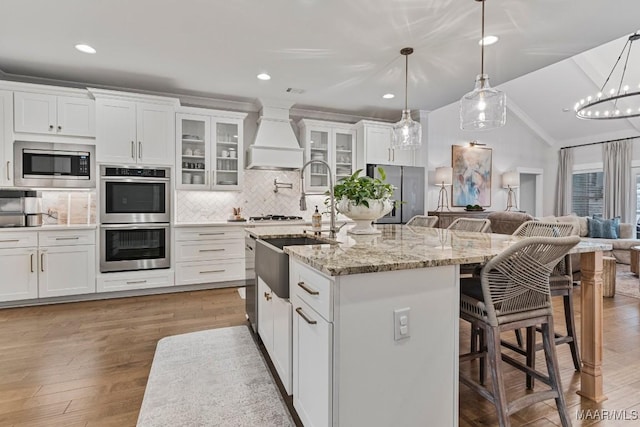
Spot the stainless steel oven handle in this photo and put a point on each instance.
(145, 226)
(145, 180)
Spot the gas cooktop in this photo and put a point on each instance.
(275, 218)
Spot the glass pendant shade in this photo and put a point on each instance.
(407, 133)
(484, 107)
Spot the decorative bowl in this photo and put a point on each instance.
(363, 216)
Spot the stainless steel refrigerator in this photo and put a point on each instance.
(409, 183)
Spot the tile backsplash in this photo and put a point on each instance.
(256, 199)
(69, 207)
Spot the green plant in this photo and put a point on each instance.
(359, 189)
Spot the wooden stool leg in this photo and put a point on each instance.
(519, 338)
(571, 329)
(495, 366)
(483, 359)
(531, 353)
(549, 345)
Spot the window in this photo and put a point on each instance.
(587, 193)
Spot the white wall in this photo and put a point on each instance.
(514, 146)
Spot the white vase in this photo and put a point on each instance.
(363, 216)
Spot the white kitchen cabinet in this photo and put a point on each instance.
(54, 115)
(209, 149)
(19, 267)
(350, 368)
(47, 264)
(66, 262)
(134, 129)
(374, 145)
(212, 254)
(274, 328)
(6, 139)
(66, 270)
(332, 142)
(312, 365)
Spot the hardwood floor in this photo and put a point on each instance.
(86, 364)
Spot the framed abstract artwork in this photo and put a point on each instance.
(471, 175)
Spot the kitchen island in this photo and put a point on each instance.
(375, 326)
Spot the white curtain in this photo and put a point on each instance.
(565, 178)
(617, 183)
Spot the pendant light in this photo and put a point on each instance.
(407, 133)
(483, 108)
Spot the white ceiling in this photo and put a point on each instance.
(343, 53)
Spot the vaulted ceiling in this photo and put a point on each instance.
(343, 54)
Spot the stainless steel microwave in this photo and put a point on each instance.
(45, 164)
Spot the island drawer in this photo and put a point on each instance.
(208, 233)
(20, 239)
(313, 288)
(209, 250)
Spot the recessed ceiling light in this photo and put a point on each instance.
(264, 76)
(85, 48)
(388, 96)
(488, 40)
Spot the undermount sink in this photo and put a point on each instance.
(272, 264)
(281, 242)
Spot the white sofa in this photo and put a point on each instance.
(621, 246)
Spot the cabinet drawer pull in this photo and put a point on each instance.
(133, 150)
(305, 317)
(393, 154)
(267, 296)
(308, 289)
(211, 250)
(59, 128)
(211, 234)
(10, 241)
(31, 262)
(8, 167)
(50, 127)
(68, 238)
(136, 282)
(389, 154)
(42, 262)
(213, 271)
(140, 150)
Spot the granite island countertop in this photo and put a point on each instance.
(398, 247)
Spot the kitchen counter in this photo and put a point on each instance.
(51, 227)
(399, 247)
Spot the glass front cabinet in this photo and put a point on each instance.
(332, 142)
(209, 150)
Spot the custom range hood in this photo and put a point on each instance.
(275, 145)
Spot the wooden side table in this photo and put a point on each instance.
(608, 276)
(635, 258)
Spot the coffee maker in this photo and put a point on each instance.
(20, 208)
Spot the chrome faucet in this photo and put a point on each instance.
(303, 201)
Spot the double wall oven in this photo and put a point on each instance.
(135, 214)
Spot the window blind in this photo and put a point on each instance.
(587, 197)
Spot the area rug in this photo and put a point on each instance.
(627, 283)
(211, 378)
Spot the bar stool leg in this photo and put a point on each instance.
(548, 343)
(495, 366)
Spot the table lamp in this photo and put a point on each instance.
(511, 180)
(444, 177)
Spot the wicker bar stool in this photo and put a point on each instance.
(561, 284)
(470, 224)
(513, 292)
(423, 221)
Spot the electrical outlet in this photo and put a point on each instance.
(401, 323)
